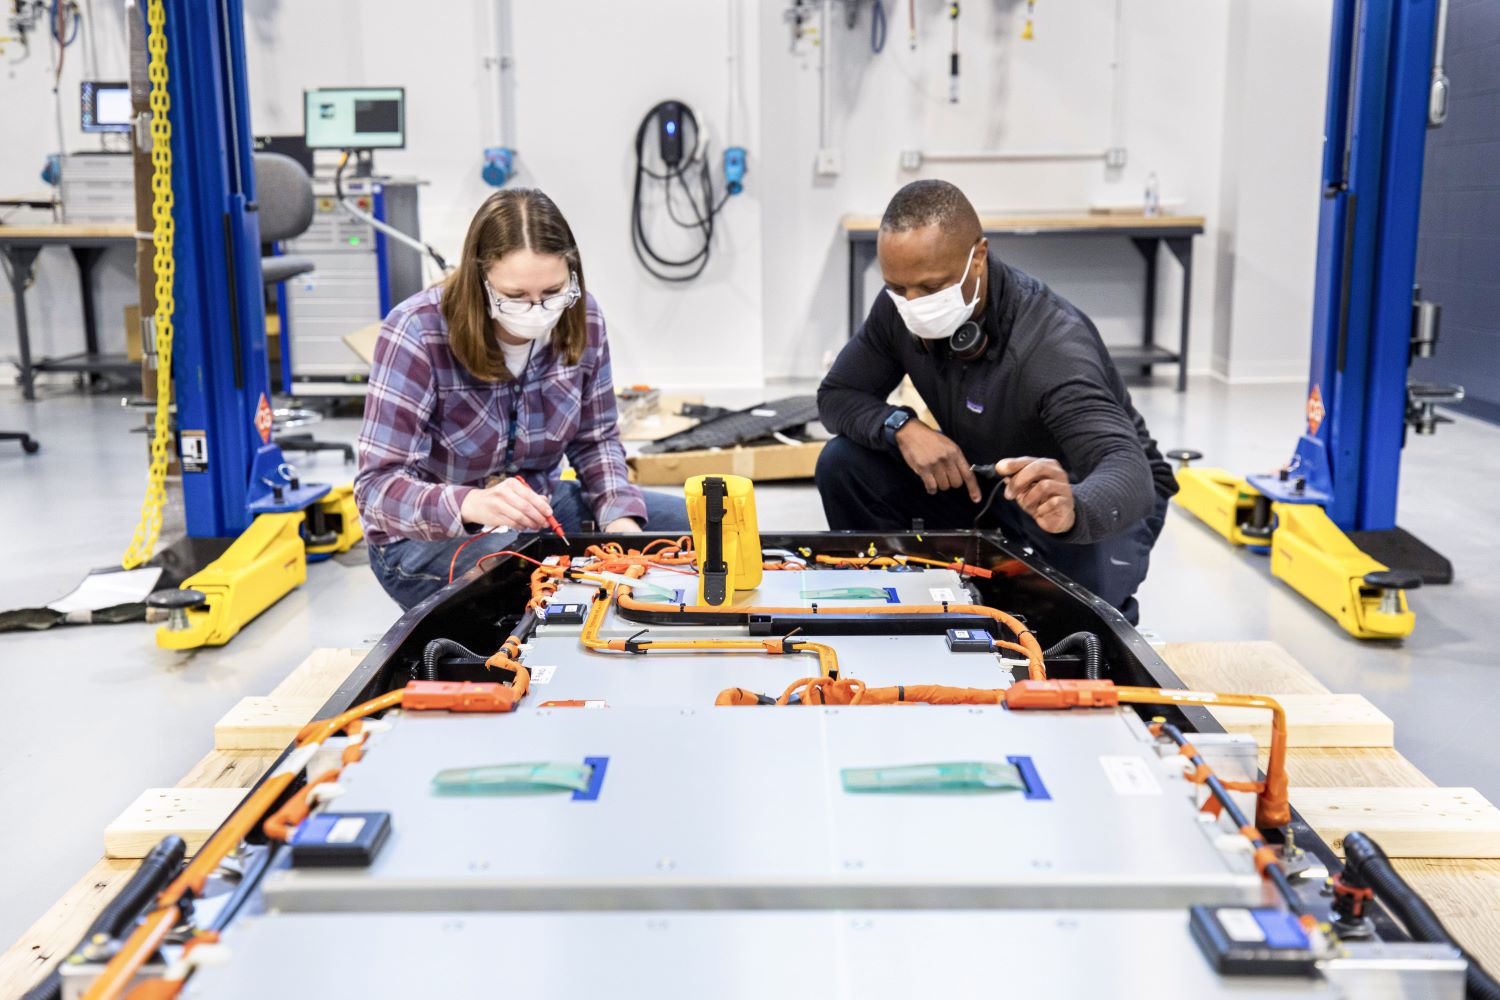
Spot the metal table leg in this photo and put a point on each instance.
(1147, 246)
(1182, 249)
(22, 260)
(861, 254)
(86, 258)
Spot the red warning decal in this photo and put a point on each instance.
(263, 419)
(1315, 410)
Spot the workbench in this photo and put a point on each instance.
(1145, 233)
(87, 242)
(1465, 893)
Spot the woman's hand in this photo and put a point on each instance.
(622, 525)
(509, 503)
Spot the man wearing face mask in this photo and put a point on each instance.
(1019, 381)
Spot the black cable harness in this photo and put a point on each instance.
(702, 205)
(1366, 865)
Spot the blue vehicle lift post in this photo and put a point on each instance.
(1328, 518)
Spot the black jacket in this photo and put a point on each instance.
(1044, 387)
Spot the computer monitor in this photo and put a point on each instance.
(104, 107)
(354, 117)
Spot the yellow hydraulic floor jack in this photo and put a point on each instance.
(258, 569)
(1307, 550)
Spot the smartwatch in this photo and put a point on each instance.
(895, 422)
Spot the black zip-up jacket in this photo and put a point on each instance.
(1045, 387)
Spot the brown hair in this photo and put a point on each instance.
(509, 220)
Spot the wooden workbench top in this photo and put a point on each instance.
(860, 224)
(61, 232)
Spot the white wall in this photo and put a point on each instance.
(1276, 82)
(1203, 103)
(1053, 92)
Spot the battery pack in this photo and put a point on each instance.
(339, 840)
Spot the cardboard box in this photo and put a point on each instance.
(762, 464)
(362, 342)
(133, 347)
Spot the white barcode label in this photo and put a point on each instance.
(1240, 925)
(1130, 775)
(594, 704)
(943, 594)
(543, 673)
(345, 830)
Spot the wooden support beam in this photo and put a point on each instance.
(1240, 667)
(1405, 822)
(1316, 720)
(191, 813)
(268, 723)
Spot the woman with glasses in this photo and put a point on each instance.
(481, 387)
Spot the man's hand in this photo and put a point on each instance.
(509, 503)
(935, 458)
(622, 525)
(1040, 487)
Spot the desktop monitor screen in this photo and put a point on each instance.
(355, 117)
(104, 107)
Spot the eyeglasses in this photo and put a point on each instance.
(552, 303)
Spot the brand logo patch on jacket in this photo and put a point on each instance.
(974, 406)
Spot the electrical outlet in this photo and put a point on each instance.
(829, 163)
(1114, 157)
(911, 159)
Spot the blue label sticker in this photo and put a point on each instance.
(596, 780)
(1282, 929)
(974, 406)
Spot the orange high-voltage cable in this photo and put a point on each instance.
(148, 936)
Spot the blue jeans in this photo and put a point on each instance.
(411, 570)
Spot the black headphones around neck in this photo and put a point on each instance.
(968, 341)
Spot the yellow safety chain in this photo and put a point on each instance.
(164, 266)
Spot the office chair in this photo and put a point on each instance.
(28, 445)
(284, 193)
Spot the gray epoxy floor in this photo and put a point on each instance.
(95, 715)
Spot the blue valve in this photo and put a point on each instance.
(734, 169)
(499, 166)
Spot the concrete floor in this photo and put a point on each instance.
(98, 714)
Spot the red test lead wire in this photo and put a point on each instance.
(551, 521)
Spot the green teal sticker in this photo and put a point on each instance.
(952, 776)
(847, 594)
(537, 778)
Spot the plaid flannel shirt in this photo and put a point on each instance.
(432, 432)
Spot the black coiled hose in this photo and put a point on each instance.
(1088, 646)
(119, 913)
(436, 650)
(1366, 864)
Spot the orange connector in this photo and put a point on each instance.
(457, 696)
(1062, 694)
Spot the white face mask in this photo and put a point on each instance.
(937, 316)
(533, 325)
(535, 320)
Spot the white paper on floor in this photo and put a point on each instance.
(106, 588)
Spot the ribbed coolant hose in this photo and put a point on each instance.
(1085, 643)
(436, 650)
(1365, 863)
(119, 913)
